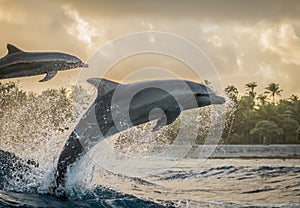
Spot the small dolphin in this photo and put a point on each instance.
(18, 63)
(122, 106)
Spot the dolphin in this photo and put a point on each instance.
(18, 63)
(118, 107)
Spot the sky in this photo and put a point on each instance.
(247, 41)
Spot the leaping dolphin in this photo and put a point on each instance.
(18, 63)
(117, 102)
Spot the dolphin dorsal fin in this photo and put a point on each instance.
(13, 49)
(103, 85)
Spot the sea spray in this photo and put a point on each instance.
(34, 127)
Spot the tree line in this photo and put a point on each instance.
(30, 117)
(253, 119)
(258, 119)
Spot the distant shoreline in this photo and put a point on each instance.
(245, 151)
(291, 157)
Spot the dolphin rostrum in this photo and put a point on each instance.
(18, 63)
(118, 107)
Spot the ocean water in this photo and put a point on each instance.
(216, 182)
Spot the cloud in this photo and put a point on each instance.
(239, 61)
(246, 40)
(216, 41)
(38, 26)
(6, 16)
(282, 40)
(203, 10)
(147, 25)
(80, 28)
(267, 72)
(242, 57)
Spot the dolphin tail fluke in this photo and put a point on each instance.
(161, 122)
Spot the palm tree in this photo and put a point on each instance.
(232, 93)
(294, 98)
(267, 112)
(262, 99)
(273, 89)
(250, 86)
(207, 82)
(293, 111)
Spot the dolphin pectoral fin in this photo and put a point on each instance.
(170, 117)
(48, 76)
(161, 122)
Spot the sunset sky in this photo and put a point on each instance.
(246, 40)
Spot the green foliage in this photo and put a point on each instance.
(232, 92)
(262, 99)
(298, 130)
(10, 96)
(26, 115)
(256, 121)
(293, 110)
(289, 127)
(266, 130)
